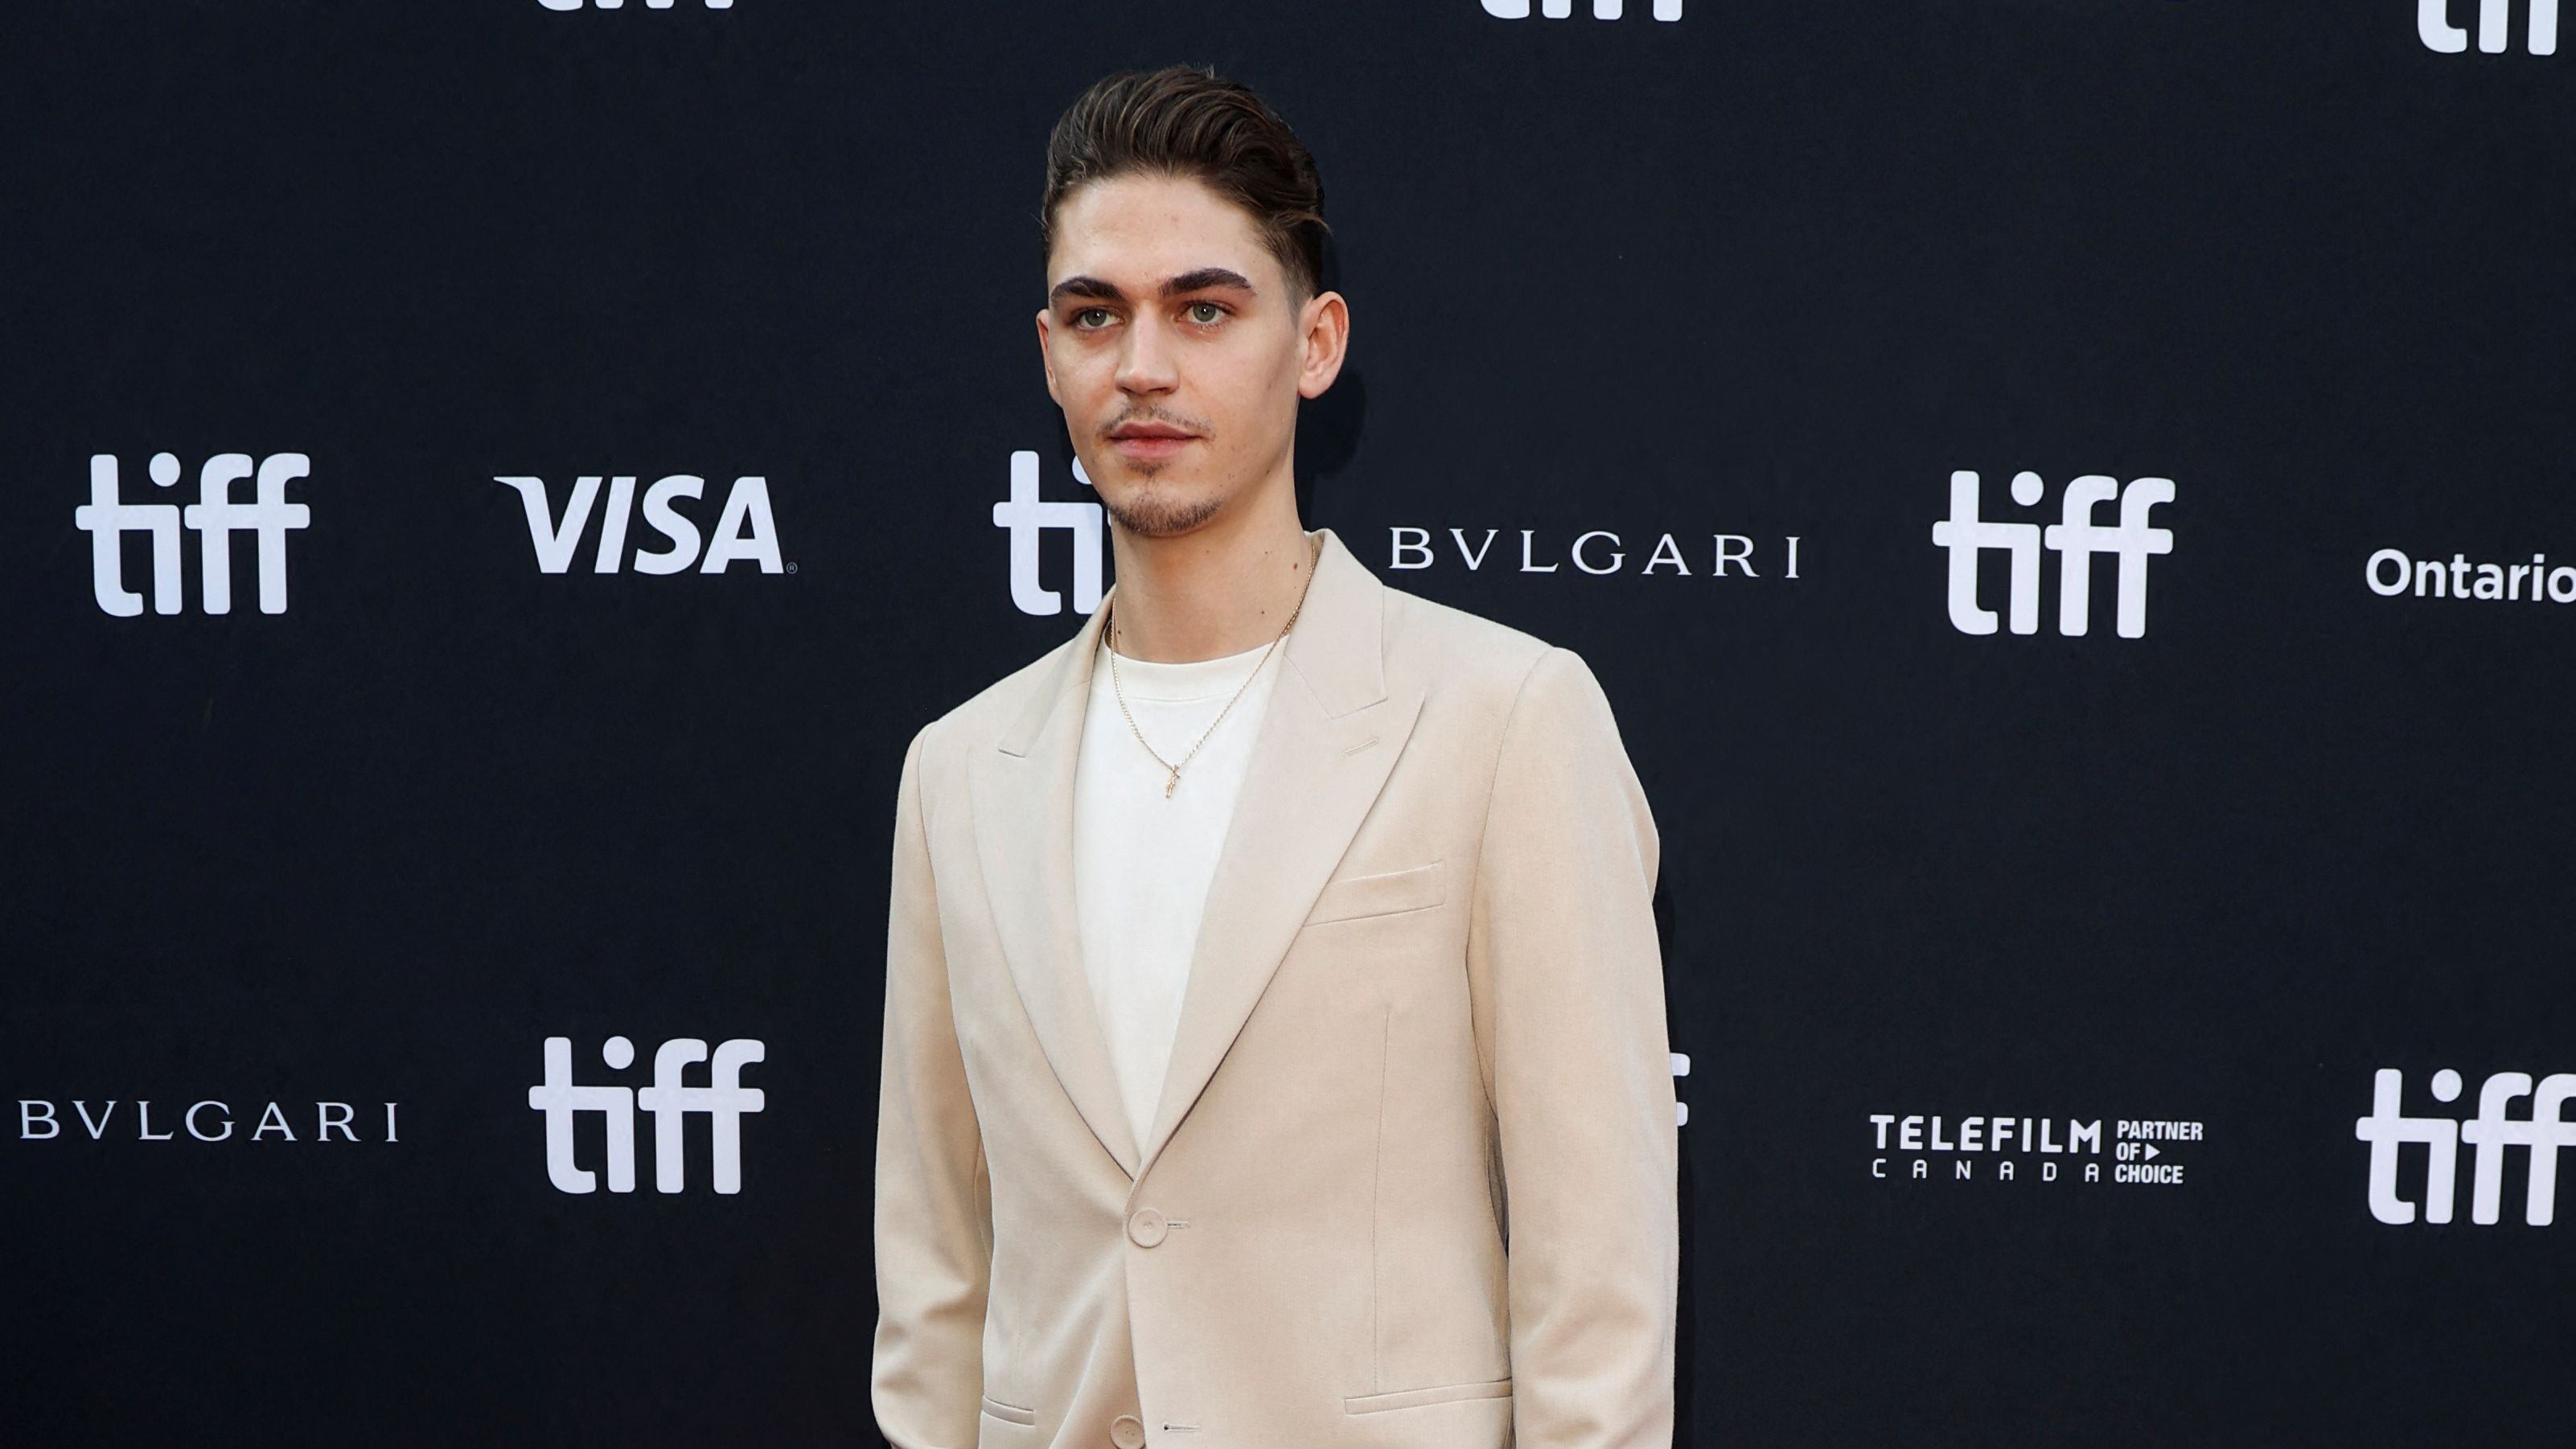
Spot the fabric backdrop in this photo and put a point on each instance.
(2070, 500)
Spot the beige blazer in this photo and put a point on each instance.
(1412, 1180)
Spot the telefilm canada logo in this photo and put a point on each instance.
(1028, 519)
(1597, 551)
(216, 516)
(1967, 535)
(2495, 25)
(1920, 1147)
(746, 529)
(724, 1101)
(209, 1120)
(2494, 1132)
(1562, 9)
(2392, 572)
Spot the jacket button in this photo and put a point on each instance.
(1127, 1432)
(1146, 1226)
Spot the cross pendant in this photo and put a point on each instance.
(1168, 784)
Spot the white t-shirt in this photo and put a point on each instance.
(1141, 861)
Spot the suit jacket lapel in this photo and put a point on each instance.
(1327, 741)
(1023, 802)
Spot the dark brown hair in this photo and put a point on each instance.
(1183, 121)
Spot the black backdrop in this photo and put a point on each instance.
(1768, 270)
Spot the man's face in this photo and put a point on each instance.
(1176, 348)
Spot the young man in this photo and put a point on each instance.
(1274, 1038)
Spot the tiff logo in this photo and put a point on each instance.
(216, 517)
(2433, 22)
(724, 1100)
(2492, 1132)
(1028, 518)
(2076, 538)
(745, 531)
(1560, 9)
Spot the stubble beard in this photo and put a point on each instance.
(1157, 511)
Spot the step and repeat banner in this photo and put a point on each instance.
(2072, 501)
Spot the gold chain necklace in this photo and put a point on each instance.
(1108, 630)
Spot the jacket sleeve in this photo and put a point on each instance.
(1568, 977)
(934, 1210)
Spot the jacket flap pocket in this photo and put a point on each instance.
(1009, 1413)
(1382, 894)
(1416, 1398)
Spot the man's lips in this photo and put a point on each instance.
(1149, 440)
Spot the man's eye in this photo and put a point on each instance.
(1091, 318)
(1206, 314)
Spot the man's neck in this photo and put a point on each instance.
(1215, 591)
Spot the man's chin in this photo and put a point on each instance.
(1161, 503)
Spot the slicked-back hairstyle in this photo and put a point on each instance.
(1183, 121)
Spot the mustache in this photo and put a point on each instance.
(1156, 415)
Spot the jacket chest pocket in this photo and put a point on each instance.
(1383, 894)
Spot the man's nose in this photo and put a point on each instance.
(1146, 363)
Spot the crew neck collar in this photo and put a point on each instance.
(1175, 683)
(1337, 651)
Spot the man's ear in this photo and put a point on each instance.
(1046, 359)
(1325, 322)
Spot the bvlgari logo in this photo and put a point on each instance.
(206, 1120)
(1596, 551)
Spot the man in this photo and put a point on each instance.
(1275, 1052)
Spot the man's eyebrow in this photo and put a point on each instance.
(1094, 289)
(1204, 278)
(1091, 287)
